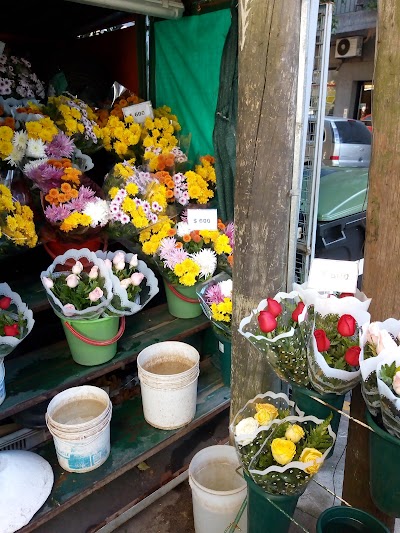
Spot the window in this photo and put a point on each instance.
(353, 132)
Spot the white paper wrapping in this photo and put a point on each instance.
(323, 378)
(58, 267)
(310, 296)
(390, 402)
(7, 343)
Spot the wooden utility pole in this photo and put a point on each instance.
(382, 246)
(268, 70)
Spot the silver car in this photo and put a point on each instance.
(347, 143)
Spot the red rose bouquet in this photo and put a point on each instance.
(378, 339)
(334, 351)
(275, 328)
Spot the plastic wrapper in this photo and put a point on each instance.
(17, 310)
(390, 402)
(286, 352)
(120, 303)
(310, 296)
(324, 378)
(59, 267)
(368, 365)
(291, 479)
(248, 444)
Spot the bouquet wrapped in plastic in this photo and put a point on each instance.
(334, 351)
(256, 420)
(310, 295)
(388, 378)
(16, 320)
(292, 454)
(275, 328)
(215, 296)
(378, 339)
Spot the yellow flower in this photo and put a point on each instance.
(294, 433)
(283, 450)
(266, 412)
(311, 454)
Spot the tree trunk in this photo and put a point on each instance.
(382, 244)
(268, 68)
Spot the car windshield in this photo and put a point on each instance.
(353, 132)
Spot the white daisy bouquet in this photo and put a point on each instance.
(189, 256)
(17, 79)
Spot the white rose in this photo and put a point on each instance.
(108, 263)
(47, 282)
(118, 258)
(119, 266)
(77, 268)
(134, 261)
(125, 282)
(94, 272)
(245, 431)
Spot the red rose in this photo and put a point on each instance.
(352, 355)
(5, 302)
(299, 309)
(346, 325)
(11, 331)
(274, 307)
(344, 294)
(266, 321)
(323, 343)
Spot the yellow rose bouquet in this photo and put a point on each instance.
(255, 421)
(292, 454)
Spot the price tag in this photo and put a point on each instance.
(202, 219)
(333, 275)
(139, 111)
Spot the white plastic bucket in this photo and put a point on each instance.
(79, 421)
(169, 399)
(218, 490)
(2, 382)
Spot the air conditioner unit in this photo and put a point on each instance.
(349, 47)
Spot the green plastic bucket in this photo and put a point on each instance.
(93, 342)
(182, 301)
(263, 515)
(224, 352)
(384, 469)
(342, 519)
(303, 398)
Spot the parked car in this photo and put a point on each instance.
(346, 143)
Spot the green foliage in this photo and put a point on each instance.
(387, 373)
(9, 319)
(319, 437)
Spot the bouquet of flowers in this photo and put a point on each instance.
(121, 137)
(215, 296)
(16, 320)
(17, 80)
(334, 352)
(388, 378)
(17, 227)
(256, 420)
(292, 454)
(74, 205)
(189, 256)
(377, 340)
(309, 296)
(276, 329)
(136, 200)
(196, 186)
(110, 284)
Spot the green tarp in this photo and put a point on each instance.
(188, 59)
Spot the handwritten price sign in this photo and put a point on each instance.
(202, 219)
(333, 275)
(139, 112)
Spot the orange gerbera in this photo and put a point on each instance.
(187, 238)
(171, 232)
(178, 245)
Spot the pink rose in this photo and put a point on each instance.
(396, 383)
(48, 283)
(108, 263)
(96, 294)
(94, 272)
(118, 258)
(137, 278)
(72, 281)
(77, 268)
(69, 310)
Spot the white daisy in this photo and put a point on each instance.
(183, 228)
(226, 288)
(15, 157)
(33, 164)
(207, 261)
(36, 148)
(20, 140)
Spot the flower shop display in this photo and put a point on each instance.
(16, 322)
(378, 339)
(275, 329)
(215, 296)
(17, 227)
(333, 355)
(255, 421)
(91, 301)
(186, 257)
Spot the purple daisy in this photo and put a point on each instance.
(213, 295)
(60, 146)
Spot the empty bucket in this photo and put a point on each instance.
(218, 490)
(79, 421)
(2, 382)
(168, 373)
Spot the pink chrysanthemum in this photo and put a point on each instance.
(60, 146)
(213, 295)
